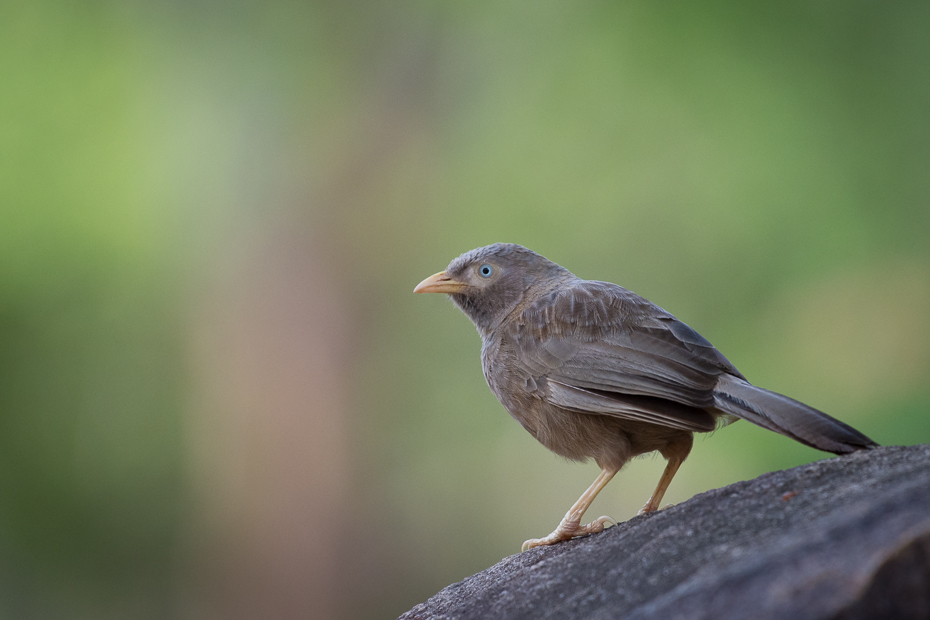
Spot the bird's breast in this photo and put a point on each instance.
(490, 363)
(514, 386)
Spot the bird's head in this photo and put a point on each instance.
(488, 283)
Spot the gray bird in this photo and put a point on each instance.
(594, 371)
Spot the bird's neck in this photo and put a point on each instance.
(489, 314)
(485, 316)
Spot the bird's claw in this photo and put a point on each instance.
(568, 530)
(650, 508)
(606, 522)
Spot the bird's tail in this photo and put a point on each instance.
(787, 416)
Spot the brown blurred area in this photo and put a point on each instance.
(270, 446)
(275, 445)
(219, 397)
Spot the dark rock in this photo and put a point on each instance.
(847, 537)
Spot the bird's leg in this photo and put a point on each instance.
(653, 504)
(676, 453)
(571, 524)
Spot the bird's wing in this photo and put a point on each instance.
(604, 350)
(629, 407)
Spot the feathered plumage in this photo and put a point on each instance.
(593, 370)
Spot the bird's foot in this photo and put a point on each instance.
(650, 507)
(569, 529)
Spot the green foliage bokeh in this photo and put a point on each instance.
(758, 170)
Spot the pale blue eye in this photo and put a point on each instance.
(486, 271)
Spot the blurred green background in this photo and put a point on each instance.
(218, 396)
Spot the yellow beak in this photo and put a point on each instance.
(439, 283)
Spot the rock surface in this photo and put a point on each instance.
(847, 537)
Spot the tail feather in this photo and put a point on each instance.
(787, 416)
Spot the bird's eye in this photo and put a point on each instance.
(486, 271)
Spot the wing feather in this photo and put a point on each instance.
(605, 350)
(635, 408)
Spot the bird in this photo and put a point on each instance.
(594, 371)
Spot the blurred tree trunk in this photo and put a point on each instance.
(270, 442)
